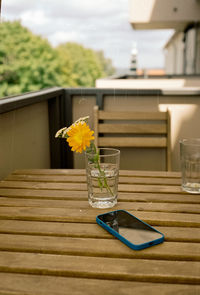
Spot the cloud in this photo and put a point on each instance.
(84, 9)
(63, 37)
(31, 18)
(13, 7)
(100, 25)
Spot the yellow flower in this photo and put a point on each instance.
(79, 136)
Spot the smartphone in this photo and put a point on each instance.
(132, 231)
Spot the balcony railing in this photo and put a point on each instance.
(28, 124)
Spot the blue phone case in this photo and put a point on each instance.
(124, 240)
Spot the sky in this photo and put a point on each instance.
(96, 24)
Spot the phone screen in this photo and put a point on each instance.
(130, 227)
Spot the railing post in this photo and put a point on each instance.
(60, 115)
(99, 100)
(54, 125)
(66, 120)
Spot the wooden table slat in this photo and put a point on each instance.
(175, 234)
(137, 206)
(164, 174)
(97, 247)
(89, 215)
(83, 186)
(51, 244)
(76, 195)
(82, 179)
(100, 267)
(51, 285)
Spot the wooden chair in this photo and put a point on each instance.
(133, 129)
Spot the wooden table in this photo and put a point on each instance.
(51, 244)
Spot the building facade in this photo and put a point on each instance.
(182, 51)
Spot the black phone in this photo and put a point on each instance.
(132, 231)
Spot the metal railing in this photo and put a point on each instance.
(61, 107)
(60, 112)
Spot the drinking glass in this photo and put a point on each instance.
(190, 165)
(102, 177)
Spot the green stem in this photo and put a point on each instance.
(104, 178)
(92, 149)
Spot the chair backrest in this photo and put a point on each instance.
(133, 129)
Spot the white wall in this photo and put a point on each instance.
(169, 59)
(179, 44)
(157, 14)
(190, 51)
(198, 52)
(174, 55)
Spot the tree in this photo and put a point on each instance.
(27, 62)
(106, 63)
(84, 64)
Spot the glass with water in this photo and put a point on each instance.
(190, 165)
(102, 178)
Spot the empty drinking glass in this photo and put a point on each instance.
(190, 165)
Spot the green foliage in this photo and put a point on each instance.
(84, 65)
(106, 63)
(29, 63)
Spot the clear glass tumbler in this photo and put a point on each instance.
(102, 177)
(190, 165)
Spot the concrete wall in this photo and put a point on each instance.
(175, 61)
(169, 59)
(149, 83)
(179, 69)
(158, 14)
(198, 52)
(24, 139)
(190, 51)
(174, 55)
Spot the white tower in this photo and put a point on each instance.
(134, 52)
